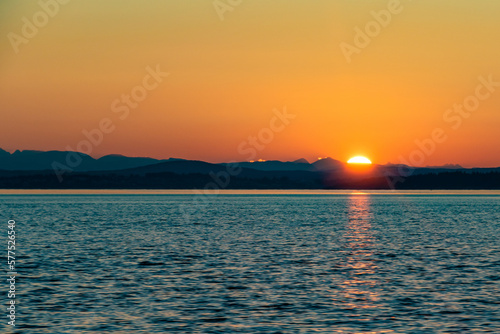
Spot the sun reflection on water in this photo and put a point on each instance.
(359, 288)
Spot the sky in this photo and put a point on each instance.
(414, 82)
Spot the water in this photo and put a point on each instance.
(272, 263)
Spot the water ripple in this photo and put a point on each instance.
(257, 264)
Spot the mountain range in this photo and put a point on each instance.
(67, 169)
(30, 160)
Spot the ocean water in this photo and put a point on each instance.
(255, 263)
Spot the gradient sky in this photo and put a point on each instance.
(227, 76)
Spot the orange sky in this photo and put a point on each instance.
(226, 76)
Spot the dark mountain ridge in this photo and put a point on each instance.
(72, 170)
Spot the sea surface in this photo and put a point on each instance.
(254, 262)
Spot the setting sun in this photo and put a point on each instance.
(359, 160)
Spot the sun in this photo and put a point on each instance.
(359, 160)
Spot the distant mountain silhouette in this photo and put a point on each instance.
(40, 160)
(34, 170)
(276, 165)
(446, 166)
(176, 166)
(328, 164)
